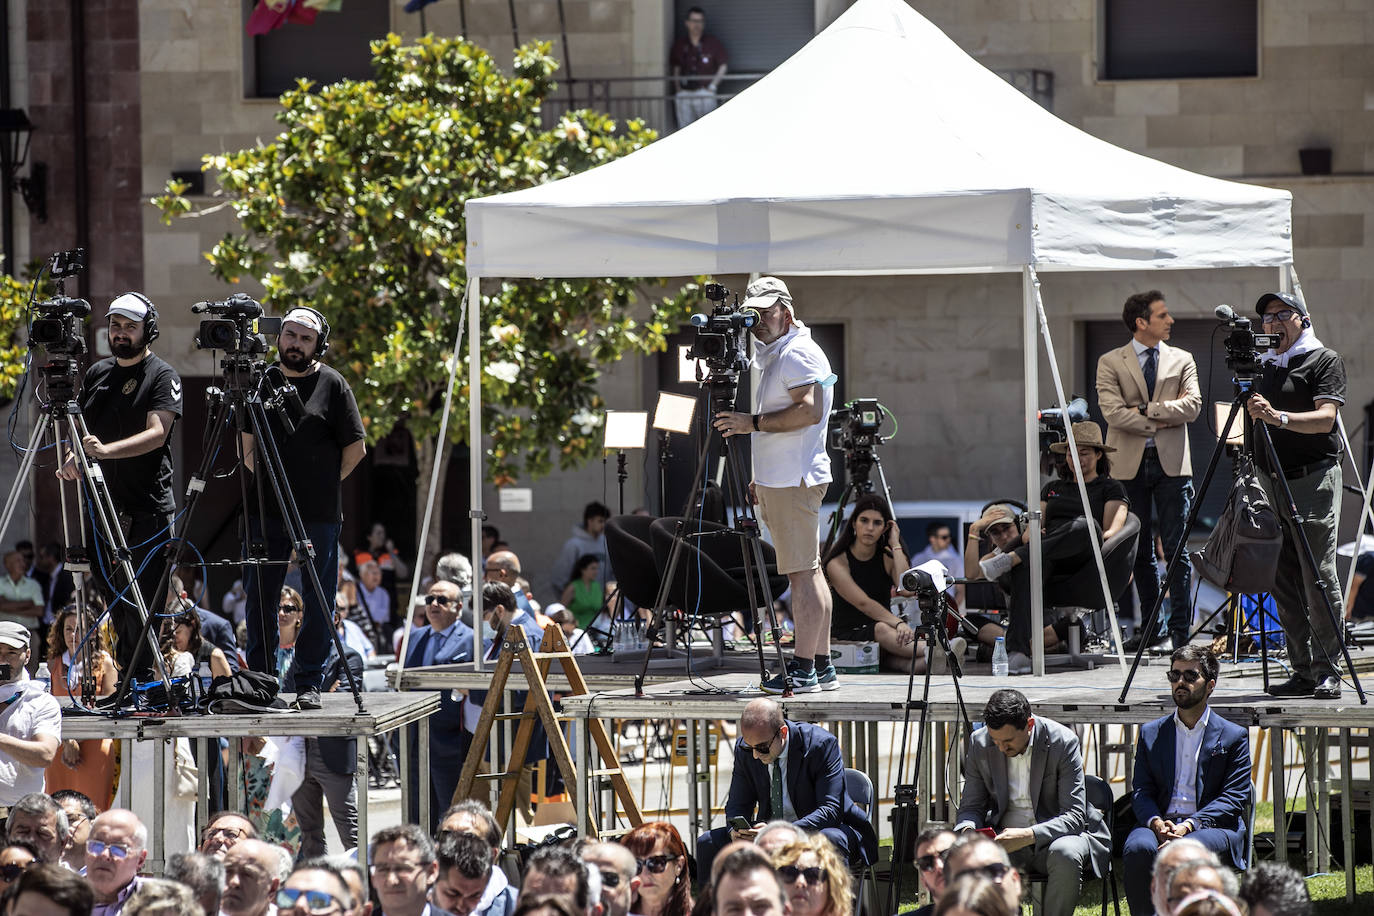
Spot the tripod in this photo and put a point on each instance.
(859, 464)
(1244, 388)
(59, 380)
(904, 822)
(241, 407)
(721, 390)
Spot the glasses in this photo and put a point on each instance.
(763, 749)
(228, 833)
(11, 872)
(445, 600)
(1271, 317)
(315, 901)
(993, 871)
(1192, 676)
(656, 865)
(288, 609)
(610, 878)
(97, 848)
(790, 874)
(930, 861)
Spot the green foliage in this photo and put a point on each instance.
(356, 208)
(14, 298)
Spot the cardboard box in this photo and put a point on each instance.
(854, 657)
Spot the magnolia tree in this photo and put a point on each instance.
(14, 297)
(356, 209)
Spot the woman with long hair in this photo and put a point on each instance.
(665, 887)
(584, 596)
(182, 636)
(86, 766)
(864, 567)
(814, 878)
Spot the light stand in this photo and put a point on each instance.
(624, 429)
(672, 414)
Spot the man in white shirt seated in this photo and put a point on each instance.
(1025, 782)
(30, 719)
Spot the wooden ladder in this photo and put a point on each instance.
(535, 667)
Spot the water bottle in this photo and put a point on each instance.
(618, 636)
(44, 676)
(999, 658)
(206, 676)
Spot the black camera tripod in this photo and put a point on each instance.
(62, 412)
(1244, 383)
(721, 389)
(240, 408)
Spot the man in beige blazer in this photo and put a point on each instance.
(1148, 392)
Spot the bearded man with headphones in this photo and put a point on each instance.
(131, 400)
(1298, 394)
(317, 455)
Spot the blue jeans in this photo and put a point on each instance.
(1152, 491)
(312, 646)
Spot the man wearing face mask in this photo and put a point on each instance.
(1298, 395)
(324, 448)
(131, 401)
(30, 719)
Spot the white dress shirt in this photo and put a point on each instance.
(1020, 809)
(1187, 745)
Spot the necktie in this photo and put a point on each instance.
(1151, 368)
(431, 650)
(775, 801)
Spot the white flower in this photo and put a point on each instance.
(299, 260)
(504, 333)
(586, 420)
(503, 369)
(572, 130)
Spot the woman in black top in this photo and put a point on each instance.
(864, 566)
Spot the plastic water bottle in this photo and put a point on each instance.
(206, 676)
(618, 637)
(44, 676)
(999, 658)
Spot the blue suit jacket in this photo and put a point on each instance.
(453, 647)
(1223, 778)
(815, 786)
(219, 632)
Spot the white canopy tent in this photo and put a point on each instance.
(879, 148)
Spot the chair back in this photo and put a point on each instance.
(859, 788)
(709, 580)
(632, 558)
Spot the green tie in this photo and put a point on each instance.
(776, 799)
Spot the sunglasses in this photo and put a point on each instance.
(763, 749)
(790, 874)
(1277, 316)
(928, 862)
(656, 865)
(315, 901)
(993, 871)
(288, 609)
(97, 848)
(1191, 676)
(11, 872)
(610, 879)
(439, 599)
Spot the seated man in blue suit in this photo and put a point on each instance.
(1192, 778)
(789, 771)
(447, 640)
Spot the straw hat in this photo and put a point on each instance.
(1085, 433)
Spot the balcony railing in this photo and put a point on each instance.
(651, 98)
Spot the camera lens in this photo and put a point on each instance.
(218, 334)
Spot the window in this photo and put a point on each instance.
(1179, 39)
(333, 47)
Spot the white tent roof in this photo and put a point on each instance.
(880, 147)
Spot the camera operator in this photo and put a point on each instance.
(323, 449)
(130, 402)
(1298, 393)
(791, 470)
(1149, 394)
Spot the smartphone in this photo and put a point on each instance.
(741, 824)
(987, 832)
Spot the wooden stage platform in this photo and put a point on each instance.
(338, 717)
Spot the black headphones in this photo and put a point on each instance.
(322, 342)
(1020, 515)
(149, 320)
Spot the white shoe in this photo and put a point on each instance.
(997, 565)
(940, 662)
(1018, 663)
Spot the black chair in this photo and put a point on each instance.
(1080, 592)
(632, 558)
(1099, 796)
(859, 788)
(710, 577)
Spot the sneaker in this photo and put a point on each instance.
(307, 700)
(1018, 663)
(801, 682)
(997, 565)
(939, 663)
(827, 678)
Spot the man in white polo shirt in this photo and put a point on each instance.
(30, 719)
(791, 470)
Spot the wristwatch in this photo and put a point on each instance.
(756, 423)
(1283, 420)
(1142, 410)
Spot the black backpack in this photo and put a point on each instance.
(1243, 551)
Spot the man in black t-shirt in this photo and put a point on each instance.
(1298, 395)
(325, 447)
(130, 402)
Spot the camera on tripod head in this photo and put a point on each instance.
(238, 326)
(58, 329)
(1243, 345)
(928, 582)
(856, 425)
(1053, 419)
(720, 335)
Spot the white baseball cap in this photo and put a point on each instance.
(130, 305)
(305, 318)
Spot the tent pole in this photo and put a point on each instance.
(479, 627)
(1031, 354)
(1072, 453)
